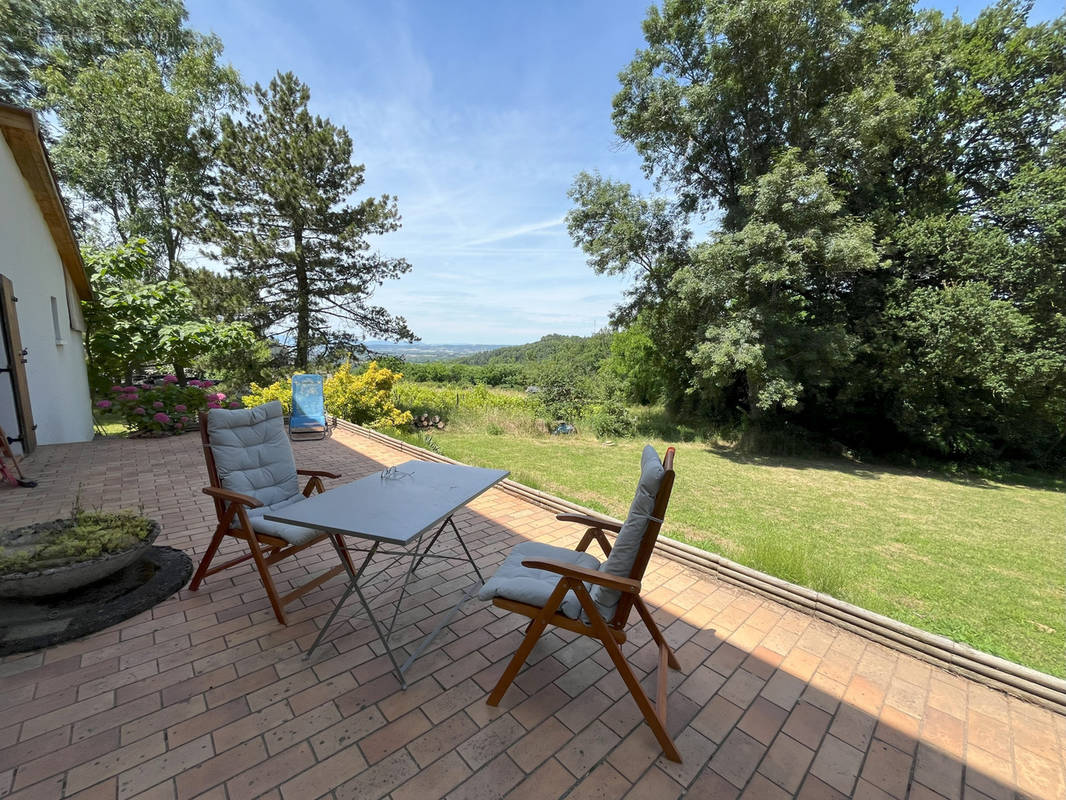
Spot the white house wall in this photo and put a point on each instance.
(55, 370)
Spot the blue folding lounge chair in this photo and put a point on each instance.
(308, 417)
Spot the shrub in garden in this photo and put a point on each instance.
(166, 408)
(443, 402)
(612, 419)
(364, 398)
(279, 390)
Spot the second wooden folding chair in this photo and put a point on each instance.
(572, 590)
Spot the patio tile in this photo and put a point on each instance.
(434, 781)
(117, 761)
(177, 761)
(30, 772)
(300, 728)
(786, 762)
(587, 706)
(635, 753)
(206, 695)
(837, 764)
(250, 726)
(539, 744)
(587, 748)
(655, 785)
(389, 738)
(198, 725)
(37, 747)
(551, 780)
(487, 743)
(887, 768)
(762, 720)
(604, 783)
(737, 757)
(442, 738)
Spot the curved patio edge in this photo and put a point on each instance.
(997, 673)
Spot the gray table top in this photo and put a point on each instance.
(394, 508)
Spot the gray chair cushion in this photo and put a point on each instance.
(252, 453)
(627, 544)
(293, 534)
(253, 456)
(533, 586)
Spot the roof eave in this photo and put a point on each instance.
(23, 135)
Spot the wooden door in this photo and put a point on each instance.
(16, 367)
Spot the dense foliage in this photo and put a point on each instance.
(134, 323)
(888, 186)
(583, 352)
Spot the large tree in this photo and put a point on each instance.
(887, 182)
(71, 35)
(284, 217)
(139, 127)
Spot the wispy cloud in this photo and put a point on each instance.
(521, 230)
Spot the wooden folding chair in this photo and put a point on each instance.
(574, 571)
(268, 542)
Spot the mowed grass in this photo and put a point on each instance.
(980, 562)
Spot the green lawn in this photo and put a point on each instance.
(980, 562)
(109, 424)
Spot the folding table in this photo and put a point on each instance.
(394, 507)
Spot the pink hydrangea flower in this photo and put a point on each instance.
(117, 388)
(234, 404)
(218, 397)
(207, 384)
(138, 410)
(157, 404)
(129, 388)
(194, 382)
(103, 404)
(170, 379)
(177, 425)
(213, 405)
(180, 407)
(184, 419)
(161, 417)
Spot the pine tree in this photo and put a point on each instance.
(284, 218)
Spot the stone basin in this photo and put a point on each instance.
(65, 577)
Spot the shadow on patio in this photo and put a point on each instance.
(207, 696)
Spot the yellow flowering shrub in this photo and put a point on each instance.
(366, 398)
(279, 390)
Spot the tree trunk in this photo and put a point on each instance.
(754, 385)
(303, 303)
(170, 240)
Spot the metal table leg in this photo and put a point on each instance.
(417, 557)
(353, 581)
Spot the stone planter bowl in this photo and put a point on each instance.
(65, 577)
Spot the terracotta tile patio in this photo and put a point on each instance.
(207, 696)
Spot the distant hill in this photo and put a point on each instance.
(583, 351)
(420, 352)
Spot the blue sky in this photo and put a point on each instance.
(476, 116)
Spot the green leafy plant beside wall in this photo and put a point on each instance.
(134, 322)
